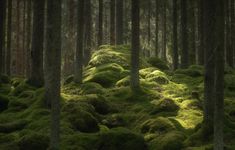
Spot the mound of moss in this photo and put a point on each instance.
(192, 71)
(121, 139)
(33, 141)
(157, 125)
(165, 105)
(158, 76)
(158, 63)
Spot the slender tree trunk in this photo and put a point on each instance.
(87, 52)
(36, 74)
(184, 28)
(28, 40)
(119, 22)
(175, 36)
(18, 66)
(233, 28)
(219, 79)
(193, 52)
(201, 33)
(23, 38)
(53, 68)
(149, 22)
(135, 45)
(112, 22)
(9, 33)
(156, 30)
(164, 38)
(209, 45)
(229, 52)
(2, 33)
(79, 51)
(100, 31)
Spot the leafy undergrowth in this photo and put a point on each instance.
(104, 114)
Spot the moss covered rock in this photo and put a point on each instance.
(192, 71)
(158, 125)
(158, 76)
(158, 63)
(34, 141)
(121, 139)
(4, 100)
(165, 105)
(169, 141)
(80, 116)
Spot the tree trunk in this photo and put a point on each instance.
(87, 52)
(175, 36)
(100, 31)
(164, 38)
(219, 79)
(149, 22)
(209, 45)
(9, 30)
(201, 33)
(36, 73)
(53, 68)
(112, 22)
(135, 45)
(229, 52)
(28, 40)
(119, 22)
(79, 50)
(184, 28)
(2, 33)
(156, 30)
(233, 28)
(193, 50)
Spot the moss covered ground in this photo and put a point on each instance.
(104, 114)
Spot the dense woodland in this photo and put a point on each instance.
(117, 74)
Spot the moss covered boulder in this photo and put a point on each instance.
(158, 63)
(165, 105)
(121, 139)
(33, 141)
(81, 117)
(157, 76)
(169, 141)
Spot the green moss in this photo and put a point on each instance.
(81, 118)
(13, 126)
(113, 121)
(4, 79)
(69, 79)
(230, 82)
(158, 76)
(158, 63)
(91, 88)
(144, 72)
(169, 141)
(121, 139)
(34, 141)
(5, 89)
(21, 87)
(192, 71)
(4, 100)
(158, 125)
(165, 105)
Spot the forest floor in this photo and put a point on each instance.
(104, 114)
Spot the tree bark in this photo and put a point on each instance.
(28, 40)
(112, 22)
(233, 28)
(164, 38)
(53, 68)
(100, 26)
(36, 73)
(119, 22)
(135, 45)
(219, 79)
(156, 29)
(201, 33)
(79, 50)
(209, 45)
(184, 28)
(2, 34)
(175, 36)
(9, 33)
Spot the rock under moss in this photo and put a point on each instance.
(81, 118)
(4, 100)
(158, 76)
(34, 141)
(121, 139)
(157, 125)
(158, 63)
(170, 141)
(165, 105)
